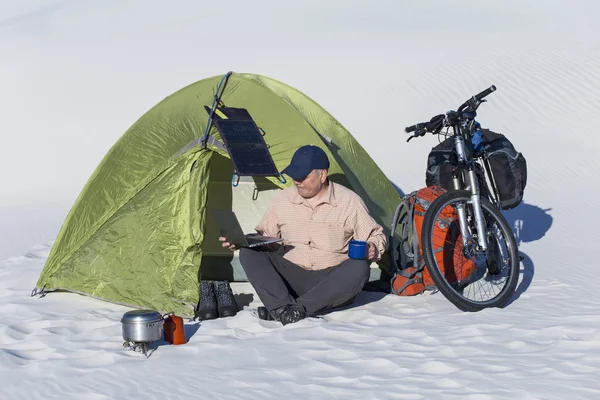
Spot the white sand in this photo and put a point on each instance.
(74, 75)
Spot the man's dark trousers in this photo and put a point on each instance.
(279, 282)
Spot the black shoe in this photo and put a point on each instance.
(267, 315)
(264, 314)
(291, 313)
(226, 304)
(207, 306)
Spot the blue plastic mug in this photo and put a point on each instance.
(358, 250)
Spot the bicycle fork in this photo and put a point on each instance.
(471, 179)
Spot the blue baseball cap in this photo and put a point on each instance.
(304, 160)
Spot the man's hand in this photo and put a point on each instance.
(225, 243)
(372, 252)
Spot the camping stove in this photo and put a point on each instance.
(141, 328)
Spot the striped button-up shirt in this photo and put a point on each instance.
(318, 238)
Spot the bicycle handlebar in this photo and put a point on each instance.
(486, 92)
(474, 102)
(410, 129)
(439, 121)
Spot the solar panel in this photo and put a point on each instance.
(246, 147)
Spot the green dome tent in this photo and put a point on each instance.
(139, 233)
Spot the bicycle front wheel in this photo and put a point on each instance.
(492, 274)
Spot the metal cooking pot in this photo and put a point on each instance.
(141, 326)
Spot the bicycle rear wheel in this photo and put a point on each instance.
(496, 273)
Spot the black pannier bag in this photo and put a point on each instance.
(442, 158)
(508, 166)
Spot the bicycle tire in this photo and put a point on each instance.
(449, 289)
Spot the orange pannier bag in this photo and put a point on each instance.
(411, 276)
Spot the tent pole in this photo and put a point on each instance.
(216, 101)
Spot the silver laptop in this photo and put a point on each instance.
(230, 227)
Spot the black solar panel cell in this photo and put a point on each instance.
(246, 147)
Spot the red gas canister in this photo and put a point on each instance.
(174, 330)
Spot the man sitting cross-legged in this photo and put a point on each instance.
(317, 219)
